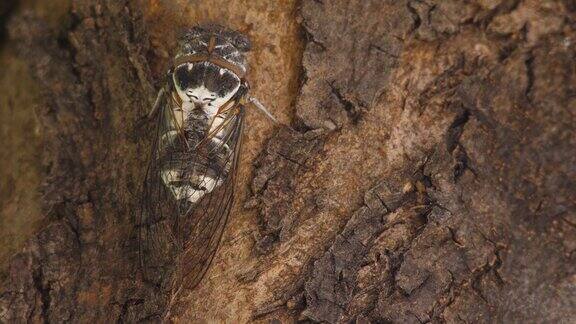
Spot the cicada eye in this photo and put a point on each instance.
(242, 43)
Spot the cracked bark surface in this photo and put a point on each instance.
(430, 176)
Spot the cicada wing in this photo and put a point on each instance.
(205, 225)
(177, 238)
(159, 212)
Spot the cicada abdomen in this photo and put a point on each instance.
(189, 186)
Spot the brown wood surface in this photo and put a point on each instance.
(430, 175)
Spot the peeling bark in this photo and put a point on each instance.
(429, 176)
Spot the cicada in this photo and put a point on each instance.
(189, 185)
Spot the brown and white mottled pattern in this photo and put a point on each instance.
(202, 88)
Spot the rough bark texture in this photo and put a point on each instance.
(431, 175)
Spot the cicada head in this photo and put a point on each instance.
(210, 65)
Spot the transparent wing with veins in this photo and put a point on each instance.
(187, 195)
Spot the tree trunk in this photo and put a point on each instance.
(429, 175)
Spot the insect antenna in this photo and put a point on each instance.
(263, 109)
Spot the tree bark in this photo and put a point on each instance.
(429, 175)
